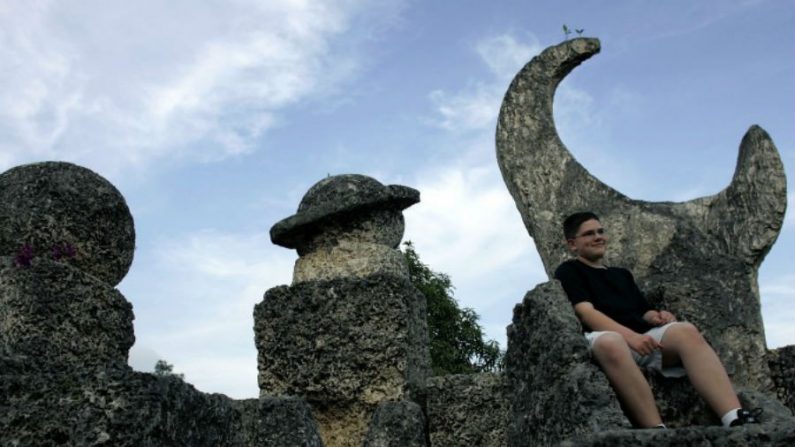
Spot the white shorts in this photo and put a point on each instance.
(653, 360)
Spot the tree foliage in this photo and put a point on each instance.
(163, 369)
(456, 339)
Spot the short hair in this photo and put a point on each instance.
(573, 222)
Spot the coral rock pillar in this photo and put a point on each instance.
(351, 331)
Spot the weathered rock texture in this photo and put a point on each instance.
(698, 258)
(554, 390)
(56, 316)
(678, 403)
(753, 435)
(343, 352)
(64, 379)
(782, 370)
(397, 424)
(65, 334)
(338, 340)
(347, 225)
(467, 409)
(344, 345)
(347, 259)
(681, 406)
(351, 332)
(55, 204)
(285, 421)
(115, 407)
(558, 395)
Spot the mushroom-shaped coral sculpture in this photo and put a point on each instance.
(347, 225)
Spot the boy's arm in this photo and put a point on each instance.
(598, 321)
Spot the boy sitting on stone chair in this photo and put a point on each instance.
(625, 333)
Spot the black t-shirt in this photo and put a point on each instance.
(611, 290)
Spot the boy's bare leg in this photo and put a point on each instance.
(613, 355)
(705, 370)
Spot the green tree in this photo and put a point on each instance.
(456, 338)
(163, 369)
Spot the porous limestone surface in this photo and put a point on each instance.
(782, 370)
(554, 390)
(343, 345)
(345, 202)
(285, 421)
(65, 332)
(56, 316)
(345, 339)
(383, 227)
(115, 407)
(467, 409)
(397, 424)
(681, 406)
(344, 426)
(698, 259)
(349, 259)
(64, 380)
(64, 211)
(749, 435)
(558, 394)
(347, 226)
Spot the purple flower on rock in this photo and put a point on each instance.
(63, 250)
(24, 256)
(70, 251)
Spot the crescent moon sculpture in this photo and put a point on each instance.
(699, 258)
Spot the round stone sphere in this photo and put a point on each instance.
(67, 213)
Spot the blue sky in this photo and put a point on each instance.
(213, 118)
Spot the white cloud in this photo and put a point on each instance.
(115, 85)
(781, 290)
(465, 214)
(701, 15)
(200, 294)
(504, 55)
(143, 358)
(467, 226)
(574, 109)
(789, 216)
(467, 111)
(777, 310)
(476, 107)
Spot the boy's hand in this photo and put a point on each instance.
(659, 317)
(643, 344)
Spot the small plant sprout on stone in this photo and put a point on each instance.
(567, 31)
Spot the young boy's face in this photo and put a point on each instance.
(590, 242)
